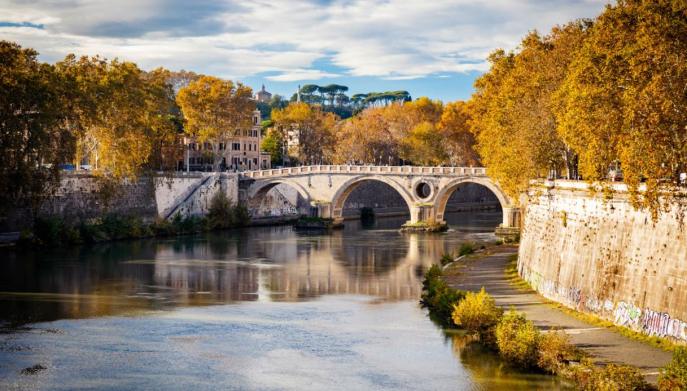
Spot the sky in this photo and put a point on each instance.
(432, 48)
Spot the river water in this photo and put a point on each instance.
(261, 308)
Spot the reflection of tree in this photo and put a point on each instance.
(258, 263)
(490, 372)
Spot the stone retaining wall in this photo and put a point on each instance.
(604, 257)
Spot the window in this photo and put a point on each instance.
(236, 146)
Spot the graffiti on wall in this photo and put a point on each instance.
(621, 313)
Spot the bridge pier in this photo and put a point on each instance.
(511, 217)
(510, 228)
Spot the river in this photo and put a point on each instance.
(262, 308)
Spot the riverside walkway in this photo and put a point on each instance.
(604, 345)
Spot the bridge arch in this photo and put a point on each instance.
(449, 188)
(340, 196)
(257, 193)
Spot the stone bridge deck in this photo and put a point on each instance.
(377, 170)
(426, 190)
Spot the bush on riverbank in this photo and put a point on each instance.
(520, 343)
(222, 214)
(478, 313)
(611, 377)
(53, 231)
(517, 340)
(466, 249)
(438, 297)
(446, 258)
(674, 376)
(554, 351)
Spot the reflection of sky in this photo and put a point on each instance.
(344, 343)
(334, 343)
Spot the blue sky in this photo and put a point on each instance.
(430, 48)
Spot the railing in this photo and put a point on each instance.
(383, 170)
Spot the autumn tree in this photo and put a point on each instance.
(116, 112)
(625, 98)
(423, 131)
(215, 110)
(164, 119)
(366, 138)
(314, 128)
(513, 115)
(457, 139)
(33, 141)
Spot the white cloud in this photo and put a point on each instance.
(392, 39)
(302, 74)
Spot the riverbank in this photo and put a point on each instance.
(604, 346)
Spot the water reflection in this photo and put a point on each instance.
(307, 312)
(268, 263)
(491, 373)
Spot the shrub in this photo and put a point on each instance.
(674, 376)
(517, 339)
(48, 231)
(614, 378)
(554, 351)
(241, 215)
(446, 258)
(220, 213)
(438, 297)
(477, 313)
(92, 233)
(466, 249)
(163, 227)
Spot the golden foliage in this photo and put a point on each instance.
(314, 128)
(423, 132)
(117, 112)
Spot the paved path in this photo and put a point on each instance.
(606, 346)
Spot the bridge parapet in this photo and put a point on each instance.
(426, 190)
(378, 170)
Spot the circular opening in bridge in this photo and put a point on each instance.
(423, 190)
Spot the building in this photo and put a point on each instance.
(240, 152)
(263, 96)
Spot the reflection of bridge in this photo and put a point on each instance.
(294, 268)
(426, 190)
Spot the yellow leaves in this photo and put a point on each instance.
(315, 131)
(513, 115)
(214, 108)
(602, 92)
(422, 132)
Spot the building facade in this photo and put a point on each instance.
(240, 152)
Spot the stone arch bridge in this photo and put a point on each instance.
(426, 190)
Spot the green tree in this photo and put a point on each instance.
(273, 143)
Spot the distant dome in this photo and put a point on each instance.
(263, 95)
